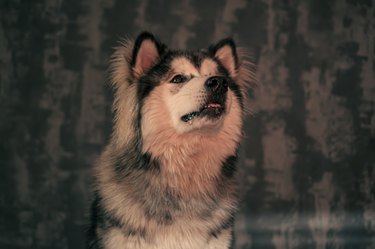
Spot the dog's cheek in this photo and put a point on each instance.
(189, 97)
(154, 114)
(178, 104)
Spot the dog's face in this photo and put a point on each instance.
(197, 95)
(189, 92)
(179, 101)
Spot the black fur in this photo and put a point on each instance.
(237, 91)
(134, 160)
(103, 220)
(229, 166)
(151, 79)
(227, 223)
(93, 240)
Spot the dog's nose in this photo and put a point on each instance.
(216, 84)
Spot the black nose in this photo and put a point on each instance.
(216, 84)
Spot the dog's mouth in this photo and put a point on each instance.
(212, 110)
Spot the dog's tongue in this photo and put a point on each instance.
(213, 105)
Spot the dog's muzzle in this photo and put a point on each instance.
(214, 106)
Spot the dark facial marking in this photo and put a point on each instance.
(152, 78)
(197, 58)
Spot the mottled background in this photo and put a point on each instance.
(308, 159)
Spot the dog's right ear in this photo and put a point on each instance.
(146, 53)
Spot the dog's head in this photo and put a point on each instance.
(195, 94)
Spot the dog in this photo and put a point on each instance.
(166, 180)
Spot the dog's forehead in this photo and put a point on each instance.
(208, 67)
(186, 65)
(183, 65)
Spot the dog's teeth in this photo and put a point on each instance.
(213, 105)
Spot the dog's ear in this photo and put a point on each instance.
(146, 52)
(225, 52)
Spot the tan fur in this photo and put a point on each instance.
(115, 240)
(190, 156)
(125, 95)
(208, 68)
(119, 202)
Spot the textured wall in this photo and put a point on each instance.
(308, 160)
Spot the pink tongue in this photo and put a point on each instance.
(212, 105)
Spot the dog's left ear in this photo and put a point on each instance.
(146, 52)
(225, 52)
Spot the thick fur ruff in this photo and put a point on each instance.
(166, 179)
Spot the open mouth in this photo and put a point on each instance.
(210, 110)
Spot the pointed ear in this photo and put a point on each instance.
(225, 52)
(146, 53)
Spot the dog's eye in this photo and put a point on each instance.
(178, 79)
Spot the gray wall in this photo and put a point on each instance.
(308, 159)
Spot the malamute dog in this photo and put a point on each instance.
(166, 179)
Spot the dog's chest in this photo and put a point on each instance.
(172, 237)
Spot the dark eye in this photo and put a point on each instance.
(179, 79)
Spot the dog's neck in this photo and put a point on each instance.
(190, 163)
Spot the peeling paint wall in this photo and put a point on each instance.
(308, 159)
